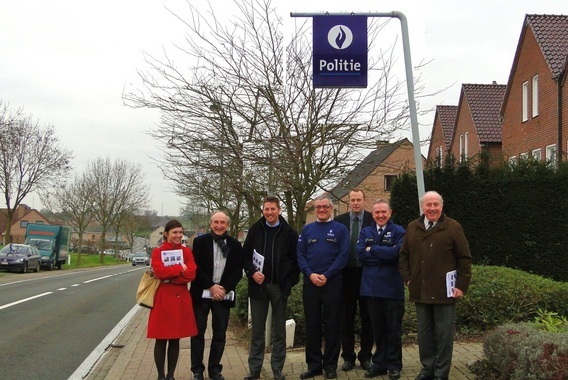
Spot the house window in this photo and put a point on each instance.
(537, 154)
(551, 153)
(523, 156)
(465, 145)
(389, 180)
(461, 148)
(39, 222)
(535, 96)
(23, 223)
(525, 101)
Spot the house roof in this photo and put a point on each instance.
(551, 32)
(552, 39)
(447, 116)
(485, 102)
(365, 168)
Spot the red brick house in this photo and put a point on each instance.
(22, 216)
(442, 132)
(535, 107)
(477, 126)
(374, 175)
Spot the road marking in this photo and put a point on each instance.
(24, 300)
(61, 288)
(75, 284)
(97, 279)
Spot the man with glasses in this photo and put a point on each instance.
(323, 252)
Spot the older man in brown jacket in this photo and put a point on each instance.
(434, 246)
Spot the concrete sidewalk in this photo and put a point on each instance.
(131, 357)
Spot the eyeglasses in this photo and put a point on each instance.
(324, 207)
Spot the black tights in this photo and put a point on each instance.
(160, 356)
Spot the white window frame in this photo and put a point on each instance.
(525, 92)
(551, 153)
(441, 155)
(537, 154)
(535, 96)
(513, 160)
(466, 145)
(524, 156)
(461, 148)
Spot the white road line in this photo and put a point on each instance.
(101, 349)
(24, 300)
(97, 279)
(61, 288)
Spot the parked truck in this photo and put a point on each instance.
(52, 243)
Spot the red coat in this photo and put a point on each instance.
(172, 316)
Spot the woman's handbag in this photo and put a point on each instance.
(147, 289)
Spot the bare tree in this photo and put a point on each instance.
(118, 189)
(31, 159)
(244, 120)
(75, 203)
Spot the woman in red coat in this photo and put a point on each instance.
(172, 316)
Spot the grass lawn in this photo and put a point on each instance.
(89, 261)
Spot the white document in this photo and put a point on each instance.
(172, 257)
(451, 277)
(257, 260)
(228, 297)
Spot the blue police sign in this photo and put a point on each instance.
(340, 51)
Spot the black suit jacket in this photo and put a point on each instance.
(203, 255)
(346, 221)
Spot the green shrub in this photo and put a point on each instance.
(521, 351)
(499, 295)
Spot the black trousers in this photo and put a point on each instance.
(220, 321)
(386, 316)
(352, 302)
(322, 308)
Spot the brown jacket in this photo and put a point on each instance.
(426, 257)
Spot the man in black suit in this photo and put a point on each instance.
(356, 219)
(219, 259)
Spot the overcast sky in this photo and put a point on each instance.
(66, 63)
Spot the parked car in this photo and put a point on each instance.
(140, 258)
(88, 249)
(22, 257)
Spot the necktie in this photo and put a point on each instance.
(355, 231)
(430, 224)
(353, 259)
(380, 230)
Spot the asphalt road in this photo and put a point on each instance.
(51, 321)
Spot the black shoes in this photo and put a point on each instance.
(366, 365)
(216, 376)
(394, 374)
(278, 375)
(347, 366)
(374, 372)
(252, 376)
(198, 376)
(310, 373)
(424, 377)
(330, 374)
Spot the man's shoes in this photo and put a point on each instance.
(216, 376)
(330, 374)
(252, 376)
(440, 378)
(424, 377)
(278, 375)
(394, 374)
(374, 372)
(310, 373)
(198, 376)
(347, 366)
(366, 364)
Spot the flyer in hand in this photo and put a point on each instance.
(172, 257)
